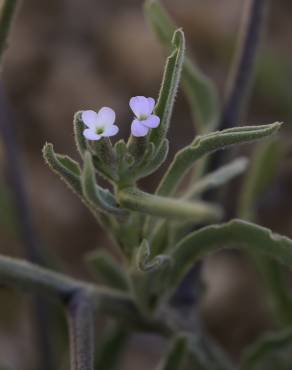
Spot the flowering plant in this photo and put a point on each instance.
(159, 236)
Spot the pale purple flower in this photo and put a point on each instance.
(99, 124)
(145, 120)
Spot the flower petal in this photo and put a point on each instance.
(138, 129)
(89, 134)
(89, 118)
(151, 103)
(111, 131)
(140, 106)
(152, 121)
(105, 117)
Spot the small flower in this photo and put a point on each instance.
(145, 120)
(99, 124)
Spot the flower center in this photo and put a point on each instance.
(99, 130)
(143, 117)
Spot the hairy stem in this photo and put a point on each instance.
(81, 332)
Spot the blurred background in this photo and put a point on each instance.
(70, 55)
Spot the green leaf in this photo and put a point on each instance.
(107, 270)
(234, 234)
(207, 144)
(145, 262)
(217, 178)
(67, 169)
(78, 127)
(176, 356)
(258, 355)
(139, 201)
(109, 351)
(99, 198)
(168, 90)
(149, 277)
(198, 88)
(150, 165)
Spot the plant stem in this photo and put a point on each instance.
(81, 332)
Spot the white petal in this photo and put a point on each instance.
(89, 134)
(105, 117)
(111, 131)
(140, 106)
(138, 129)
(152, 121)
(89, 118)
(151, 103)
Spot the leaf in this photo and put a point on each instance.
(258, 355)
(198, 88)
(78, 127)
(150, 165)
(144, 261)
(99, 198)
(149, 277)
(176, 356)
(107, 270)
(234, 234)
(67, 169)
(139, 201)
(217, 178)
(168, 90)
(207, 144)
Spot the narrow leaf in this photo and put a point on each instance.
(78, 127)
(234, 234)
(217, 178)
(198, 88)
(144, 260)
(207, 144)
(64, 166)
(139, 201)
(95, 195)
(107, 270)
(167, 94)
(150, 165)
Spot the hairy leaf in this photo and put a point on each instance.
(237, 234)
(139, 201)
(207, 144)
(199, 89)
(170, 82)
